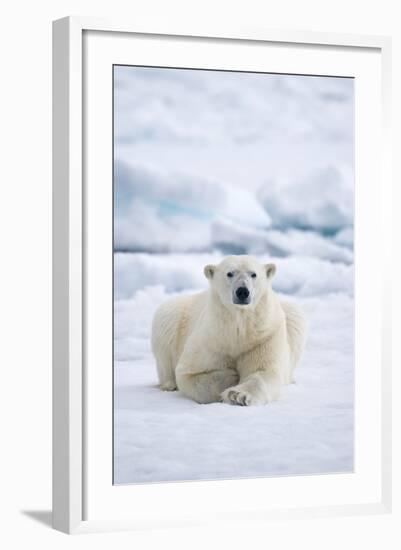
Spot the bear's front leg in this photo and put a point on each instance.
(204, 379)
(258, 389)
(262, 371)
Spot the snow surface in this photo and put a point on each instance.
(209, 164)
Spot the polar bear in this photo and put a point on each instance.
(236, 342)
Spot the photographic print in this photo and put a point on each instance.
(233, 274)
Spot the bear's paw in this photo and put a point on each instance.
(168, 386)
(234, 396)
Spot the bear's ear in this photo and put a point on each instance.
(208, 270)
(270, 270)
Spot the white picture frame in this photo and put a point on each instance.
(76, 479)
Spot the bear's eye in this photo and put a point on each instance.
(253, 275)
(230, 274)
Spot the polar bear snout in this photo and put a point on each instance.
(242, 296)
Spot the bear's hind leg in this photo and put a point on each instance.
(206, 387)
(166, 374)
(202, 374)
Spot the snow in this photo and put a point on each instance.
(345, 237)
(184, 272)
(237, 239)
(175, 210)
(199, 107)
(329, 195)
(193, 148)
(215, 163)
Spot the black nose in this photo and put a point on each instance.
(242, 293)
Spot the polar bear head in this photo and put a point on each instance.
(240, 281)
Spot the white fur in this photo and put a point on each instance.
(213, 349)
